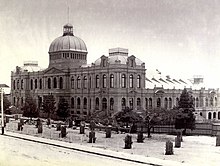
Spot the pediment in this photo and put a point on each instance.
(53, 70)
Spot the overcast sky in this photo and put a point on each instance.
(181, 38)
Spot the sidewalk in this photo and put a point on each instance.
(97, 151)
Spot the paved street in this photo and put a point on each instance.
(16, 152)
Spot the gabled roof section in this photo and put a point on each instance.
(53, 70)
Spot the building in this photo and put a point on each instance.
(109, 84)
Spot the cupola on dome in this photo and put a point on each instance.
(68, 42)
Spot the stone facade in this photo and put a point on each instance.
(109, 84)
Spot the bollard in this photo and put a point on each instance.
(177, 142)
(140, 137)
(169, 148)
(128, 142)
(108, 133)
(63, 131)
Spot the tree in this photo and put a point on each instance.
(127, 116)
(63, 108)
(30, 108)
(6, 104)
(49, 105)
(185, 119)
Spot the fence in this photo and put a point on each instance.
(200, 129)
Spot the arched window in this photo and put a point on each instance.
(214, 115)
(218, 115)
(146, 103)
(197, 102)
(111, 81)
(22, 101)
(97, 103)
(35, 83)
(104, 104)
(85, 83)
(72, 82)
(138, 81)
(131, 103)
(165, 103)
(158, 102)
(150, 103)
(40, 83)
(17, 84)
(123, 81)
(211, 102)
(209, 115)
(138, 103)
(123, 103)
(14, 84)
(31, 84)
(61, 82)
(78, 84)
(72, 102)
(111, 103)
(78, 103)
(14, 100)
(85, 103)
(54, 82)
(97, 81)
(104, 81)
(170, 103)
(216, 102)
(131, 81)
(206, 102)
(22, 84)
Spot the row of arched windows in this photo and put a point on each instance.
(76, 103)
(213, 115)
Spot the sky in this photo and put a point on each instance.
(180, 38)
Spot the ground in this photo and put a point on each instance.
(195, 150)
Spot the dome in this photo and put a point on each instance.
(68, 42)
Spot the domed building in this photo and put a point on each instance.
(109, 84)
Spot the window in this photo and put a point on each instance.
(216, 102)
(197, 102)
(146, 103)
(165, 103)
(17, 84)
(78, 82)
(72, 102)
(35, 83)
(177, 102)
(138, 81)
(150, 103)
(104, 81)
(132, 63)
(123, 81)
(54, 82)
(123, 103)
(138, 103)
(22, 84)
(85, 103)
(131, 103)
(97, 81)
(78, 103)
(214, 115)
(97, 103)
(14, 84)
(104, 104)
(85, 83)
(61, 82)
(209, 115)
(40, 83)
(158, 102)
(111, 81)
(111, 103)
(211, 101)
(218, 115)
(72, 82)
(90, 82)
(170, 103)
(131, 80)
(31, 84)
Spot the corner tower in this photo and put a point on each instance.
(67, 51)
